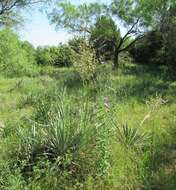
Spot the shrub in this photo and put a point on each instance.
(57, 56)
(62, 56)
(30, 51)
(42, 56)
(84, 61)
(147, 50)
(75, 43)
(14, 60)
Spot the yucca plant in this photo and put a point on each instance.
(69, 131)
(132, 137)
(72, 138)
(61, 138)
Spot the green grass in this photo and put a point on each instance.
(63, 134)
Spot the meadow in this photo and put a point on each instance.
(96, 112)
(116, 131)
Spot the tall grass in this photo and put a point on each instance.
(112, 133)
(69, 138)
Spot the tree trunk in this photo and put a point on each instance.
(116, 60)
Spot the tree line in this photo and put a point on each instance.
(150, 35)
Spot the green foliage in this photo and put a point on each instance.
(75, 18)
(168, 29)
(103, 36)
(157, 47)
(30, 51)
(42, 56)
(75, 43)
(136, 15)
(66, 135)
(148, 50)
(55, 140)
(69, 147)
(149, 12)
(55, 56)
(13, 59)
(132, 137)
(10, 11)
(98, 18)
(84, 61)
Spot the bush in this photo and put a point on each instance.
(169, 38)
(15, 60)
(75, 43)
(158, 47)
(42, 56)
(30, 51)
(57, 56)
(84, 61)
(148, 49)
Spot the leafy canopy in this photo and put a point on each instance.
(104, 35)
(15, 57)
(9, 10)
(76, 18)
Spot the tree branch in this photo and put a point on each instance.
(8, 5)
(129, 45)
(130, 31)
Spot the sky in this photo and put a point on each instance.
(38, 31)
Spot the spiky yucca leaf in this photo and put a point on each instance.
(132, 137)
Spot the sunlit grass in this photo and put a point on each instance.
(126, 97)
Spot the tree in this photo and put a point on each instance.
(75, 43)
(168, 31)
(75, 18)
(158, 46)
(42, 55)
(14, 60)
(82, 18)
(138, 16)
(147, 50)
(103, 38)
(59, 56)
(30, 51)
(9, 14)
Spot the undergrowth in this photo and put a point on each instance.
(115, 132)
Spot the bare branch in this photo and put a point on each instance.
(130, 31)
(129, 45)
